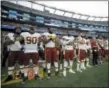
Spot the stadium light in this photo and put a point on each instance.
(104, 19)
(50, 9)
(38, 7)
(76, 16)
(84, 17)
(58, 12)
(68, 14)
(91, 18)
(97, 19)
(24, 3)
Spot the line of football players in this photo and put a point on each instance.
(27, 47)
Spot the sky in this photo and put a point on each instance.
(93, 8)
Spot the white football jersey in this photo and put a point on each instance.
(50, 43)
(31, 42)
(16, 46)
(65, 42)
(88, 44)
(80, 45)
(101, 42)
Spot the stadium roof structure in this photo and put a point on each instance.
(35, 11)
(61, 12)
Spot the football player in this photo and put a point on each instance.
(59, 50)
(95, 51)
(31, 40)
(68, 52)
(41, 49)
(50, 51)
(81, 53)
(13, 42)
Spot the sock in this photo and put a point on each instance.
(71, 63)
(36, 69)
(60, 66)
(48, 67)
(65, 64)
(78, 64)
(25, 72)
(87, 61)
(56, 66)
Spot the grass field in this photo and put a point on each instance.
(92, 77)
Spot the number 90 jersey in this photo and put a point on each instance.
(31, 42)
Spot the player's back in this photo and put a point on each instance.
(31, 41)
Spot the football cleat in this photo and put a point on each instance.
(84, 68)
(49, 74)
(64, 73)
(72, 71)
(79, 70)
(89, 66)
(36, 77)
(24, 80)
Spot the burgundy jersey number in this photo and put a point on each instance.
(31, 40)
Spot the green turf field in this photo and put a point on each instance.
(92, 77)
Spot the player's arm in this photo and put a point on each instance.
(40, 40)
(75, 48)
(45, 40)
(66, 42)
(21, 40)
(80, 40)
(8, 41)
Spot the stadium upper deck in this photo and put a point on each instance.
(45, 16)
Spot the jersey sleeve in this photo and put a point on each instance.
(39, 35)
(10, 36)
(22, 34)
(44, 34)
